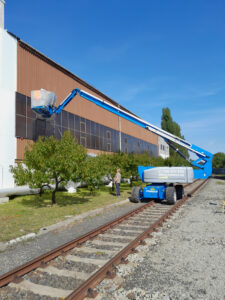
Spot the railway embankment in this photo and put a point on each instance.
(183, 259)
(60, 233)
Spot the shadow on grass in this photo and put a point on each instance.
(61, 200)
(82, 196)
(124, 187)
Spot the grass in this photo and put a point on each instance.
(26, 214)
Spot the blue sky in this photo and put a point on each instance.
(144, 54)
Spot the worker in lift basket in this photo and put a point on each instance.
(117, 180)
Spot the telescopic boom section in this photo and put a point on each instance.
(204, 161)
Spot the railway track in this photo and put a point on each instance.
(72, 271)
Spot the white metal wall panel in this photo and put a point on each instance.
(8, 86)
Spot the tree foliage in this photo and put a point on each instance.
(219, 160)
(167, 123)
(128, 166)
(128, 163)
(173, 127)
(51, 162)
(93, 172)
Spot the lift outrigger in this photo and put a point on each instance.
(163, 181)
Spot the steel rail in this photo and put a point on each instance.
(41, 261)
(108, 270)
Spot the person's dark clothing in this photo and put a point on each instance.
(117, 180)
(117, 189)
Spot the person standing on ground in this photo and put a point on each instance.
(117, 181)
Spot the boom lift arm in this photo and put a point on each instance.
(203, 162)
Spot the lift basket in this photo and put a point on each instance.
(40, 98)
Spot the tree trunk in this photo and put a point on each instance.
(113, 187)
(131, 181)
(40, 192)
(53, 197)
(54, 191)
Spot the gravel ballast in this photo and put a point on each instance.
(184, 260)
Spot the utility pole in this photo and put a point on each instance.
(120, 144)
(119, 125)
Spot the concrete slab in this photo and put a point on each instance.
(42, 290)
(98, 262)
(3, 246)
(4, 200)
(67, 273)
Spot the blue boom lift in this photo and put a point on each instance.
(162, 180)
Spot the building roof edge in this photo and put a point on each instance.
(65, 71)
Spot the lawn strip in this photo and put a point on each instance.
(26, 214)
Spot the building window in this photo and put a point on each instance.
(71, 121)
(20, 126)
(83, 141)
(64, 119)
(108, 135)
(82, 126)
(25, 117)
(87, 133)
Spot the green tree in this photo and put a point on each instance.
(129, 167)
(117, 162)
(219, 160)
(110, 164)
(94, 171)
(143, 159)
(167, 123)
(51, 162)
(173, 127)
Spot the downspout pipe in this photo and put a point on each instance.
(17, 191)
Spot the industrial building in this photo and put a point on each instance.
(22, 69)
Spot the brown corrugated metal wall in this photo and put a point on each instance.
(34, 72)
